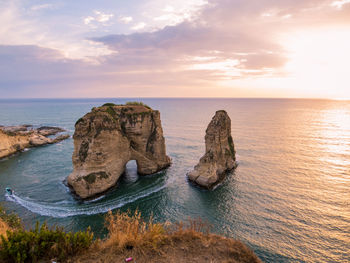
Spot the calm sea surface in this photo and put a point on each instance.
(289, 198)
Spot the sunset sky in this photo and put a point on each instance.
(175, 48)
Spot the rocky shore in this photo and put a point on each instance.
(15, 139)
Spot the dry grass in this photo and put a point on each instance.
(3, 228)
(129, 231)
(190, 241)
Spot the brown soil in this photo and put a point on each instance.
(185, 247)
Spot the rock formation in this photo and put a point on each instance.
(16, 138)
(109, 136)
(219, 157)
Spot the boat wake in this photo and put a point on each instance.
(73, 208)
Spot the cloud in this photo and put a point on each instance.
(88, 20)
(102, 17)
(174, 46)
(20, 27)
(139, 26)
(172, 16)
(47, 73)
(169, 9)
(125, 19)
(173, 12)
(36, 65)
(99, 17)
(172, 19)
(339, 4)
(224, 46)
(41, 7)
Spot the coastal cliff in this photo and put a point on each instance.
(129, 237)
(109, 136)
(219, 157)
(17, 138)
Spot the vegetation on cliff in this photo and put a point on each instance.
(137, 103)
(41, 243)
(190, 241)
(128, 236)
(129, 103)
(12, 221)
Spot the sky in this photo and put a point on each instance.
(175, 48)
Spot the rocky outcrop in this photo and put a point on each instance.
(109, 136)
(16, 138)
(219, 157)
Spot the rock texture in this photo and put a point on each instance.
(16, 138)
(109, 136)
(219, 157)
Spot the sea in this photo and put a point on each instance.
(288, 199)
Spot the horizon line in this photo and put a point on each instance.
(271, 98)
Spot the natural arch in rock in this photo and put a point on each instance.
(130, 172)
(107, 138)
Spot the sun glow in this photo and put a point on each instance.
(319, 62)
(317, 66)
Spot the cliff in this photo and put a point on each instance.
(219, 157)
(146, 241)
(109, 136)
(16, 138)
(129, 236)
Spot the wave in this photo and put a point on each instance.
(63, 209)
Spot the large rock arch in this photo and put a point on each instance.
(109, 136)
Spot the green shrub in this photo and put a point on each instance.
(137, 103)
(43, 243)
(109, 104)
(111, 111)
(12, 220)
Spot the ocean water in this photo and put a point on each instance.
(289, 198)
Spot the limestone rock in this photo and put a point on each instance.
(16, 138)
(219, 157)
(10, 144)
(13, 129)
(106, 138)
(59, 138)
(47, 130)
(38, 140)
